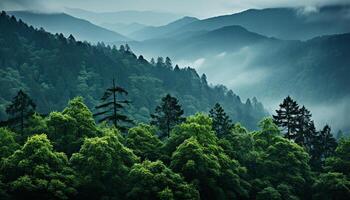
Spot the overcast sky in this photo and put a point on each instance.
(197, 8)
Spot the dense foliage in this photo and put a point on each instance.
(53, 69)
(67, 156)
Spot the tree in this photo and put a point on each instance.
(168, 63)
(196, 155)
(221, 121)
(287, 117)
(69, 128)
(289, 161)
(153, 180)
(331, 185)
(20, 109)
(111, 107)
(340, 161)
(204, 79)
(328, 142)
(8, 144)
(167, 115)
(36, 171)
(268, 193)
(303, 132)
(152, 62)
(143, 141)
(103, 164)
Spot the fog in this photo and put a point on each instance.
(196, 8)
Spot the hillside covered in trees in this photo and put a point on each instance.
(94, 146)
(54, 69)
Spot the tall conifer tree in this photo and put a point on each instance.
(168, 114)
(111, 107)
(221, 121)
(20, 110)
(287, 117)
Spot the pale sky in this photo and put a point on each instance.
(196, 8)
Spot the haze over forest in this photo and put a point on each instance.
(165, 99)
(230, 49)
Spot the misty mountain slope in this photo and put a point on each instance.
(66, 24)
(284, 23)
(53, 69)
(123, 28)
(149, 18)
(315, 72)
(161, 31)
(200, 44)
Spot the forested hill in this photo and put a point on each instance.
(54, 69)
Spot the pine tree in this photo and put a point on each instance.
(287, 117)
(152, 62)
(204, 79)
(328, 142)
(304, 130)
(221, 121)
(21, 109)
(167, 115)
(112, 107)
(168, 63)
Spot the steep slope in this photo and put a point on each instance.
(53, 69)
(66, 24)
(203, 43)
(161, 31)
(315, 72)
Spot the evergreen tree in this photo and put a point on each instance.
(328, 142)
(167, 115)
(287, 117)
(127, 48)
(168, 63)
(221, 121)
(304, 130)
(21, 109)
(152, 62)
(204, 79)
(111, 107)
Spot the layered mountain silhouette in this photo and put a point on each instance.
(283, 23)
(148, 18)
(66, 24)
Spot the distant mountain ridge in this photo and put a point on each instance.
(161, 31)
(148, 18)
(283, 23)
(53, 69)
(66, 24)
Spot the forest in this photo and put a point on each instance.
(67, 155)
(83, 121)
(54, 69)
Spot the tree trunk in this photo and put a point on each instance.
(114, 106)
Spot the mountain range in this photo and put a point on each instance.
(63, 23)
(283, 23)
(148, 18)
(53, 69)
(268, 53)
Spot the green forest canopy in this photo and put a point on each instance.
(67, 156)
